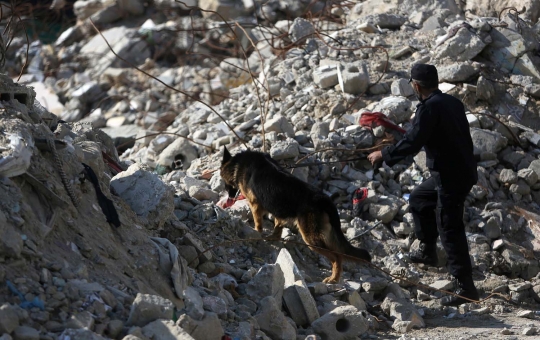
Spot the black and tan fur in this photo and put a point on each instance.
(269, 189)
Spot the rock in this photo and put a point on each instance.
(384, 20)
(123, 41)
(535, 166)
(397, 109)
(296, 296)
(25, 333)
(528, 314)
(529, 331)
(507, 176)
(279, 124)
(147, 308)
(80, 334)
(193, 303)
(374, 284)
(401, 87)
(528, 175)
(9, 318)
(512, 50)
(134, 7)
(207, 328)
(519, 265)
(123, 135)
(520, 188)
(301, 29)
(145, 193)
(356, 300)
(181, 152)
(272, 321)
(326, 76)
(285, 149)
(114, 328)
(82, 320)
(216, 305)
(402, 310)
(345, 322)
(492, 228)
(383, 212)
(269, 281)
(458, 72)
(518, 287)
(491, 8)
(487, 141)
(443, 285)
(165, 330)
(353, 78)
(464, 45)
(485, 90)
(203, 194)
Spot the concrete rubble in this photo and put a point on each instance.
(277, 78)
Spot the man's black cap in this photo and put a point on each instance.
(424, 72)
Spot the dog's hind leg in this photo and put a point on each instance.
(278, 228)
(313, 235)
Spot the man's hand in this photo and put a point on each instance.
(375, 157)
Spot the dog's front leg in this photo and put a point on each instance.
(258, 213)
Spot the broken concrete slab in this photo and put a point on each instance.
(296, 295)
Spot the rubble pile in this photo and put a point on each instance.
(110, 225)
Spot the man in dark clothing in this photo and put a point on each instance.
(441, 127)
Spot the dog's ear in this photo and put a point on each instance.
(226, 155)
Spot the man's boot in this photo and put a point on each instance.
(466, 289)
(426, 254)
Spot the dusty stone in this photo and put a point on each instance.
(464, 45)
(353, 78)
(9, 318)
(458, 72)
(269, 281)
(272, 321)
(165, 330)
(508, 176)
(529, 331)
(114, 328)
(401, 87)
(82, 320)
(285, 149)
(397, 109)
(402, 310)
(194, 303)
(207, 328)
(301, 29)
(216, 305)
(147, 308)
(80, 334)
(25, 333)
(145, 193)
(443, 284)
(383, 212)
(487, 141)
(341, 323)
(296, 296)
(326, 76)
(279, 124)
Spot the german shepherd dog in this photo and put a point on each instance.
(270, 189)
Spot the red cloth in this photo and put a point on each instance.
(370, 119)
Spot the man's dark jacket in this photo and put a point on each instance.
(441, 127)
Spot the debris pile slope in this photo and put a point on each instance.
(145, 95)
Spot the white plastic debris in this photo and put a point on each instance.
(15, 159)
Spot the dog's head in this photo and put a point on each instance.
(227, 171)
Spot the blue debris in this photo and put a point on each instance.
(36, 302)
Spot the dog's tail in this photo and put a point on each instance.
(337, 238)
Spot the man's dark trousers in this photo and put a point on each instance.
(439, 211)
